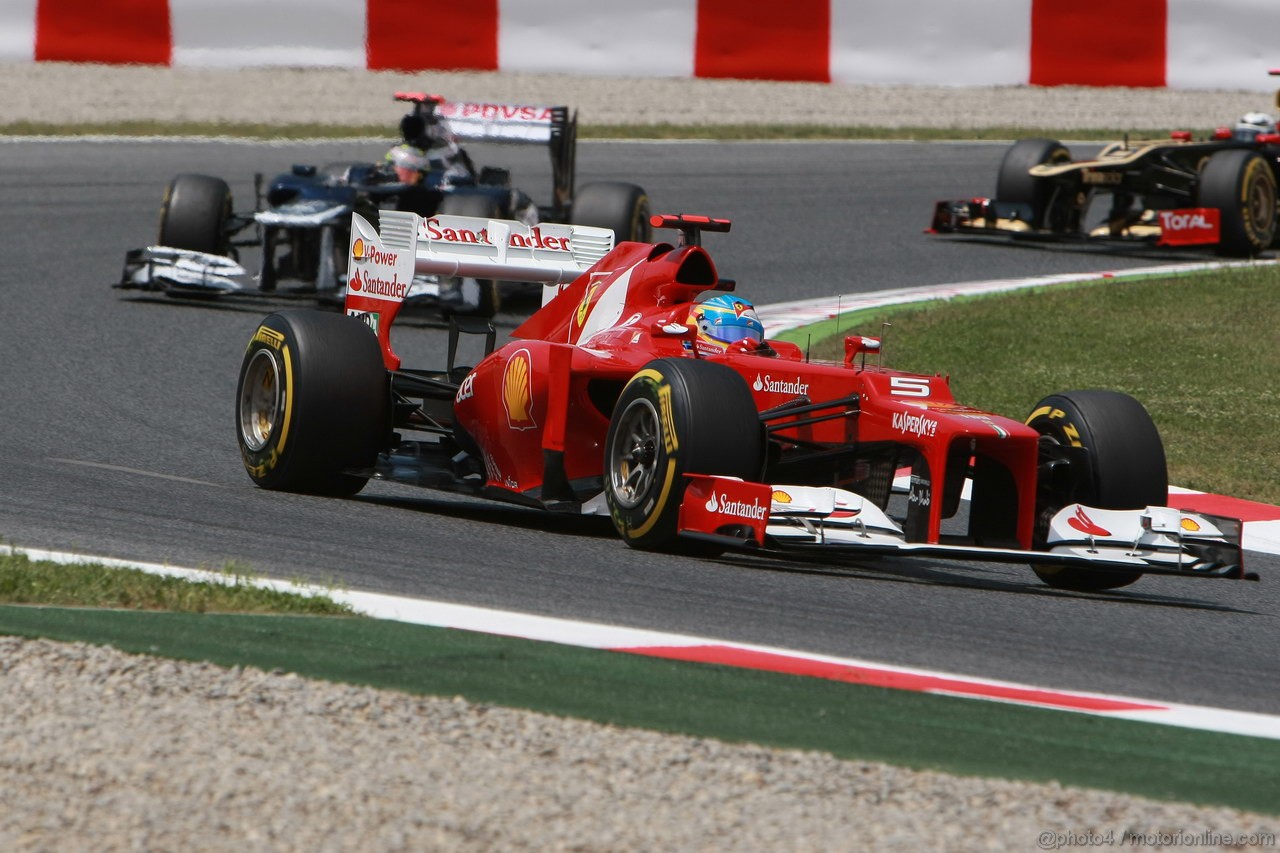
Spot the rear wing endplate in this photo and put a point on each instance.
(383, 261)
(485, 121)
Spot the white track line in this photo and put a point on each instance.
(682, 646)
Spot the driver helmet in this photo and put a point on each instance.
(408, 162)
(725, 319)
(1251, 124)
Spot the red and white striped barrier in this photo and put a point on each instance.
(1187, 44)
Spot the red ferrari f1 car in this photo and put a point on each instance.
(645, 390)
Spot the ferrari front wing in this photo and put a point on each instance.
(794, 519)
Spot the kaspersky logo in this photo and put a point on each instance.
(721, 504)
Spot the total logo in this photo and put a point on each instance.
(917, 425)
(739, 509)
(795, 387)
(1172, 220)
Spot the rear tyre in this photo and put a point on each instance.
(312, 403)
(676, 416)
(1123, 468)
(195, 213)
(1242, 185)
(623, 208)
(467, 204)
(1015, 183)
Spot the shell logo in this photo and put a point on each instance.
(517, 390)
(357, 249)
(780, 497)
(1190, 525)
(585, 305)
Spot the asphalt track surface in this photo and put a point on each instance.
(117, 439)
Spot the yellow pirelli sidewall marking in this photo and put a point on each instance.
(1070, 430)
(270, 337)
(287, 393)
(662, 502)
(669, 441)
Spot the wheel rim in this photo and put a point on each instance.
(1260, 202)
(260, 400)
(634, 454)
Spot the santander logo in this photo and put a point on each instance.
(721, 504)
(780, 386)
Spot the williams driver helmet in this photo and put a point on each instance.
(726, 319)
(408, 162)
(1251, 124)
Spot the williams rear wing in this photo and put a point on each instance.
(383, 261)
(483, 121)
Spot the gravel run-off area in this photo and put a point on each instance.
(109, 751)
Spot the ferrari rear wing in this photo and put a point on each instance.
(483, 121)
(383, 261)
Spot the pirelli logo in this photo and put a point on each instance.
(669, 440)
(270, 337)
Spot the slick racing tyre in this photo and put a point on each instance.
(1242, 186)
(489, 300)
(623, 208)
(312, 403)
(676, 416)
(195, 213)
(1122, 467)
(1015, 183)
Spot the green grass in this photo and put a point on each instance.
(849, 721)
(26, 581)
(1200, 351)
(587, 131)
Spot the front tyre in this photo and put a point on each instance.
(1242, 186)
(312, 403)
(1015, 183)
(1119, 464)
(675, 416)
(622, 208)
(195, 213)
